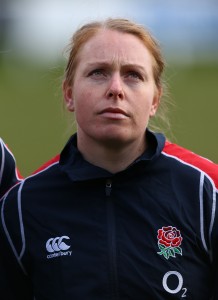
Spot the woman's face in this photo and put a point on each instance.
(113, 94)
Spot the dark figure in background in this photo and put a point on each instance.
(8, 171)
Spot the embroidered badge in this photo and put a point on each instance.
(169, 241)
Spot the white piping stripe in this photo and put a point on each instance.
(184, 162)
(9, 238)
(201, 198)
(43, 170)
(2, 161)
(213, 211)
(215, 191)
(21, 220)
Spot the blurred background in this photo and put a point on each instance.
(33, 36)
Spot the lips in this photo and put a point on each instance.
(114, 110)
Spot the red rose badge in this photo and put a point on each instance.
(169, 241)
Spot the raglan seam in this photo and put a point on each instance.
(43, 170)
(188, 164)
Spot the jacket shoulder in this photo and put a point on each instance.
(193, 159)
(47, 164)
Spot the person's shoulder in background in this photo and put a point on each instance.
(9, 174)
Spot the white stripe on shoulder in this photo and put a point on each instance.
(188, 164)
(2, 157)
(16, 254)
(43, 170)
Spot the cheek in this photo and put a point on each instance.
(82, 100)
(144, 102)
(84, 106)
(144, 108)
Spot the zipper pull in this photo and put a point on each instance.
(108, 187)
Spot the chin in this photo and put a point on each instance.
(115, 141)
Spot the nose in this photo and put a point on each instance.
(115, 89)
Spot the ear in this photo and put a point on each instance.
(156, 102)
(68, 96)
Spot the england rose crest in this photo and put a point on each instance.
(169, 241)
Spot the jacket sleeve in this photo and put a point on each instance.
(14, 280)
(9, 175)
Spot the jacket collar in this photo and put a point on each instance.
(78, 169)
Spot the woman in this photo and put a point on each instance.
(8, 171)
(117, 217)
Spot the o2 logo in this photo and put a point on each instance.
(177, 288)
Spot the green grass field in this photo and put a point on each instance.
(34, 125)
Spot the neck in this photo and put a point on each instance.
(111, 157)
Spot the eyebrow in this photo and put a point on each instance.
(107, 64)
(103, 64)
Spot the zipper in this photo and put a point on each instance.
(112, 247)
(108, 187)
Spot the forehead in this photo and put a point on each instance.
(110, 45)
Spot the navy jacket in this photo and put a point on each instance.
(76, 231)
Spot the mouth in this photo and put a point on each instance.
(114, 113)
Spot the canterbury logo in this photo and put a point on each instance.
(57, 244)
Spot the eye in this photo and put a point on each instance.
(134, 75)
(97, 73)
